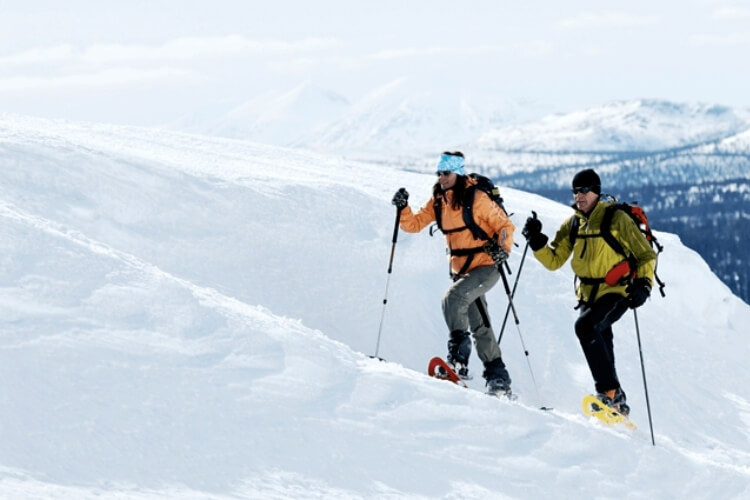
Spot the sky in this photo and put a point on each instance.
(151, 62)
(181, 317)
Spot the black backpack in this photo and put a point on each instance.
(483, 184)
(641, 221)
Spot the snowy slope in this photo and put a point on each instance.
(191, 317)
(736, 144)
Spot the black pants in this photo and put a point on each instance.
(594, 331)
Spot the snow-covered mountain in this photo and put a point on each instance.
(191, 317)
(623, 126)
(733, 145)
(402, 117)
(410, 119)
(278, 117)
(406, 117)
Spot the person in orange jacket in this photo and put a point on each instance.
(474, 269)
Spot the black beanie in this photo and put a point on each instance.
(588, 178)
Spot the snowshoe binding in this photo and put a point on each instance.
(609, 408)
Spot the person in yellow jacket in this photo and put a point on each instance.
(474, 269)
(606, 286)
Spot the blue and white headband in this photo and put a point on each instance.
(452, 163)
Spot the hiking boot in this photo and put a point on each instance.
(498, 387)
(615, 399)
(459, 348)
(498, 380)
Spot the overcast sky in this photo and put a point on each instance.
(150, 61)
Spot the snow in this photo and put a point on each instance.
(405, 116)
(192, 317)
(635, 125)
(273, 117)
(402, 117)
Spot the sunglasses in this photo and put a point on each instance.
(443, 172)
(583, 190)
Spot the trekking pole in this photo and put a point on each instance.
(643, 370)
(513, 292)
(388, 281)
(523, 344)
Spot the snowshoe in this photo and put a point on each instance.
(438, 368)
(595, 407)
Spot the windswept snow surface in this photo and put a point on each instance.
(191, 317)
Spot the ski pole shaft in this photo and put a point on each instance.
(388, 280)
(518, 328)
(513, 292)
(508, 293)
(643, 371)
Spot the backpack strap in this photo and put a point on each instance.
(573, 230)
(641, 216)
(469, 253)
(437, 206)
(595, 283)
(468, 214)
(606, 232)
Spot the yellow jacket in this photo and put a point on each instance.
(593, 257)
(487, 215)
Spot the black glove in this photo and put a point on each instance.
(532, 227)
(498, 254)
(401, 198)
(638, 291)
(532, 231)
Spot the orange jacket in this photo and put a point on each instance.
(487, 215)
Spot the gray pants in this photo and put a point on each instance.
(465, 308)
